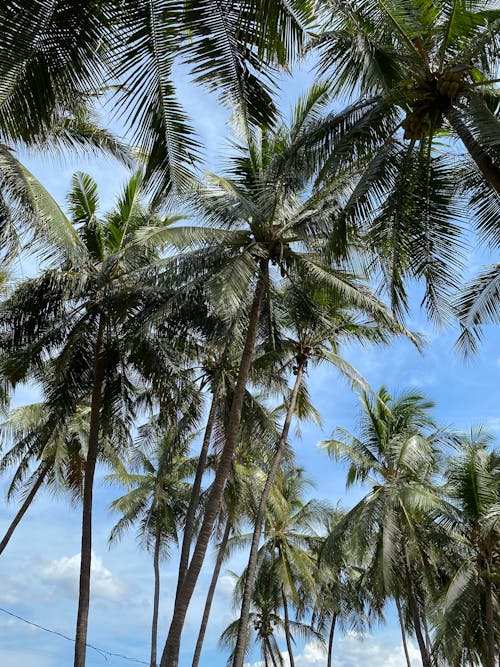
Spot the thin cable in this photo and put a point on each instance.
(101, 651)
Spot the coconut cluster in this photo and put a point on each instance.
(435, 96)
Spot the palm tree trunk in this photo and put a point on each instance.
(86, 548)
(403, 632)
(485, 164)
(288, 636)
(270, 649)
(490, 622)
(330, 641)
(210, 595)
(415, 613)
(24, 507)
(170, 656)
(239, 653)
(195, 494)
(156, 597)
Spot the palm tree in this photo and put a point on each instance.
(156, 503)
(265, 618)
(392, 524)
(467, 627)
(59, 458)
(288, 532)
(427, 70)
(265, 222)
(343, 599)
(80, 316)
(318, 326)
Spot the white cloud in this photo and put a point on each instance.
(353, 651)
(63, 575)
(423, 380)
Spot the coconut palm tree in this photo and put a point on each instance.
(467, 627)
(264, 219)
(426, 70)
(59, 458)
(391, 526)
(80, 316)
(343, 599)
(265, 618)
(156, 502)
(288, 532)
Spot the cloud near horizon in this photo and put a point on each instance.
(353, 650)
(62, 576)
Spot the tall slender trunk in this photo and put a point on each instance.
(270, 649)
(403, 632)
(239, 653)
(170, 657)
(288, 636)
(195, 494)
(210, 594)
(488, 168)
(490, 621)
(24, 507)
(156, 596)
(330, 641)
(415, 613)
(86, 548)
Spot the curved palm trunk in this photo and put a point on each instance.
(288, 636)
(156, 597)
(24, 507)
(330, 640)
(195, 494)
(170, 656)
(239, 654)
(415, 613)
(271, 654)
(485, 164)
(403, 633)
(210, 595)
(86, 549)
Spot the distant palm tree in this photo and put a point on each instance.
(80, 316)
(390, 527)
(59, 458)
(288, 531)
(265, 618)
(343, 599)
(156, 502)
(468, 611)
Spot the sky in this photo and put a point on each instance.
(39, 569)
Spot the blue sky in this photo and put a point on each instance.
(39, 570)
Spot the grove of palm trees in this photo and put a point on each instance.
(249, 333)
